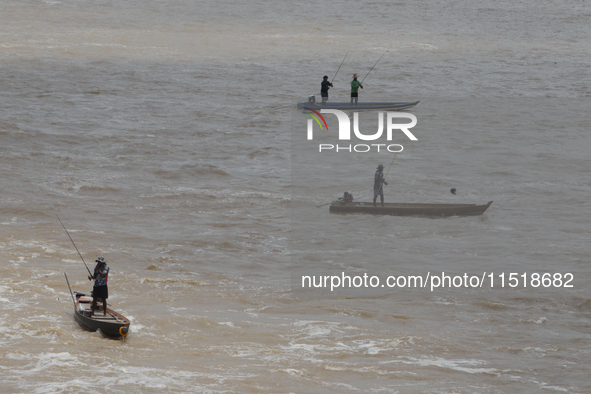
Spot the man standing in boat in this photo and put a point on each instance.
(324, 86)
(355, 85)
(100, 289)
(378, 185)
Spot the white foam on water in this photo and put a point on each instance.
(457, 365)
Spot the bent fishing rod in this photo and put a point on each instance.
(58, 218)
(372, 67)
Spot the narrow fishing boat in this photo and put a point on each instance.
(408, 209)
(311, 104)
(112, 323)
(108, 322)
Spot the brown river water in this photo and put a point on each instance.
(152, 130)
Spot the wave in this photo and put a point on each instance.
(101, 189)
(204, 169)
(9, 128)
(176, 280)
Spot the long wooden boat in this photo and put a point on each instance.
(367, 106)
(111, 324)
(409, 209)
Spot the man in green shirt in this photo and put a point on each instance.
(355, 85)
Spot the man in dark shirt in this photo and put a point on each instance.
(100, 289)
(378, 185)
(324, 86)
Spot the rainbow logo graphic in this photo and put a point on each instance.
(316, 118)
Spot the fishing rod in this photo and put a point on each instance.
(332, 202)
(390, 165)
(392, 162)
(335, 75)
(373, 67)
(58, 218)
(68, 282)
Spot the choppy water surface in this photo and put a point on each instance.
(150, 129)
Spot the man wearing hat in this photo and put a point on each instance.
(100, 289)
(324, 86)
(378, 185)
(355, 85)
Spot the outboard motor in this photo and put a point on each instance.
(311, 99)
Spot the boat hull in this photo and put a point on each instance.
(409, 209)
(112, 324)
(369, 106)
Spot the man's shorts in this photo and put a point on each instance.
(354, 94)
(378, 192)
(100, 292)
